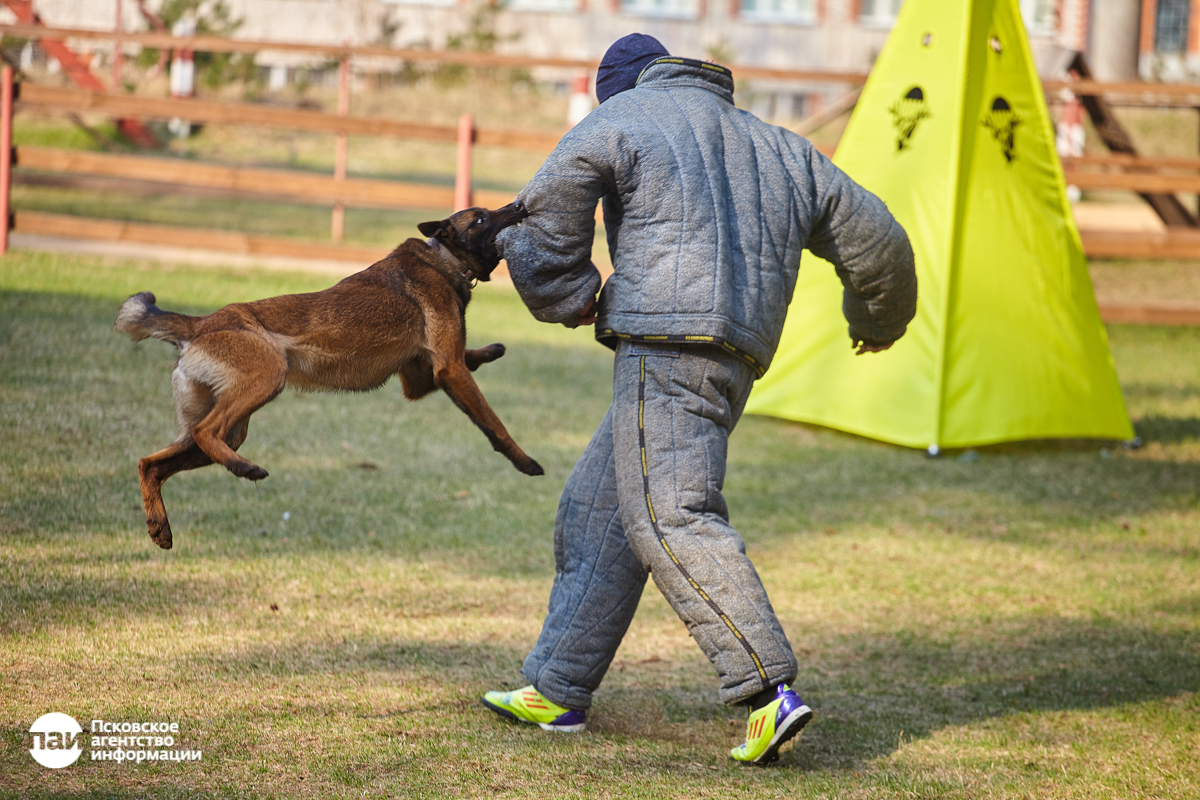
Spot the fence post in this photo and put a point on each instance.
(462, 172)
(580, 104)
(117, 52)
(6, 122)
(339, 154)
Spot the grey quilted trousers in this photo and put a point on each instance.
(645, 497)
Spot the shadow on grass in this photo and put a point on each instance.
(433, 687)
(883, 690)
(907, 687)
(785, 481)
(1175, 393)
(788, 479)
(133, 792)
(86, 382)
(1167, 430)
(895, 689)
(889, 691)
(82, 404)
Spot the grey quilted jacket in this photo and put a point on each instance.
(707, 209)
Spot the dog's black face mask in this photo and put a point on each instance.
(471, 235)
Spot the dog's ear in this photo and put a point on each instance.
(432, 228)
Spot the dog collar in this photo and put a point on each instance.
(445, 253)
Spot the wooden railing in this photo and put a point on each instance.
(216, 44)
(1115, 171)
(79, 100)
(1117, 93)
(1118, 171)
(1140, 174)
(103, 230)
(1143, 175)
(1134, 173)
(290, 185)
(273, 183)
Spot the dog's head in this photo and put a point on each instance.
(470, 235)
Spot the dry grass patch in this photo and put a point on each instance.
(1017, 621)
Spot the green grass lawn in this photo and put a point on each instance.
(1017, 622)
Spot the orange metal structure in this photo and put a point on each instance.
(79, 73)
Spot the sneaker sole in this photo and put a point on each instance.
(792, 725)
(546, 726)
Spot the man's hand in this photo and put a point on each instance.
(865, 347)
(588, 315)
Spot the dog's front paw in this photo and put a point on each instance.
(531, 467)
(251, 472)
(484, 355)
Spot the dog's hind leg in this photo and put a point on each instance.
(156, 468)
(193, 401)
(416, 376)
(245, 372)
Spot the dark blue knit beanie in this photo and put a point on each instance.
(624, 62)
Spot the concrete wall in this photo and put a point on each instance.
(1116, 25)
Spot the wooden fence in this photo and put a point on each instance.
(82, 101)
(1126, 93)
(1115, 172)
(214, 44)
(336, 190)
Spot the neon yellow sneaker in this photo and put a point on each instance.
(772, 725)
(529, 705)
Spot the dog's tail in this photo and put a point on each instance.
(141, 319)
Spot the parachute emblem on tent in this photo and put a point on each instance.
(1002, 121)
(907, 113)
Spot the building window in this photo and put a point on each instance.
(800, 106)
(1171, 26)
(802, 11)
(686, 9)
(881, 13)
(1038, 14)
(543, 5)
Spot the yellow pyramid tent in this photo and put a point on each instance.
(953, 133)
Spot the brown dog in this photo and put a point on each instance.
(403, 315)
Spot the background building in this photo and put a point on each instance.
(1169, 47)
(1158, 39)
